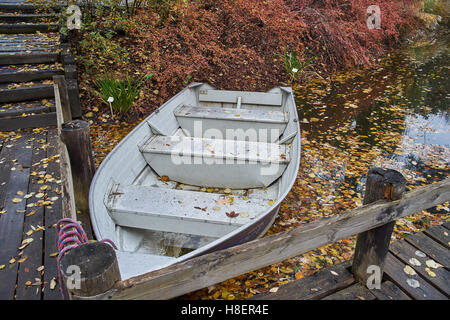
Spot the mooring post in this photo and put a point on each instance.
(89, 270)
(63, 96)
(372, 246)
(76, 137)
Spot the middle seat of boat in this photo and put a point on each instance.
(216, 162)
(180, 211)
(232, 123)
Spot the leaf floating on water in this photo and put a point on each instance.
(413, 283)
(164, 178)
(16, 200)
(2, 267)
(271, 202)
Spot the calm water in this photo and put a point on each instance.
(394, 115)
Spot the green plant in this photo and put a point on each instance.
(123, 92)
(163, 8)
(98, 51)
(294, 66)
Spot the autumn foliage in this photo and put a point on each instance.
(238, 44)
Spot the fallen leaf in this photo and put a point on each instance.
(433, 264)
(53, 283)
(232, 214)
(420, 254)
(414, 262)
(409, 270)
(430, 273)
(413, 283)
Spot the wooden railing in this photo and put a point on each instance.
(373, 223)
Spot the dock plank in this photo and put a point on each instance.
(431, 248)
(389, 291)
(421, 289)
(355, 292)
(407, 254)
(439, 234)
(316, 286)
(6, 155)
(34, 217)
(52, 214)
(11, 222)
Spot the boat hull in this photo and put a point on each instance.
(125, 163)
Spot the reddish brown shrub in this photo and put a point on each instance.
(236, 44)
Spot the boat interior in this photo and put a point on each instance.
(209, 163)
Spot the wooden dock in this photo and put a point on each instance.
(427, 255)
(31, 54)
(30, 205)
(35, 63)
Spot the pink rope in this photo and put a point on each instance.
(70, 235)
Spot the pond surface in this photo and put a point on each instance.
(394, 115)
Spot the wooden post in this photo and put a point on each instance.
(97, 266)
(75, 135)
(372, 246)
(62, 99)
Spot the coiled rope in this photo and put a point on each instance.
(70, 235)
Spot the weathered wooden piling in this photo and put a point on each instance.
(90, 269)
(63, 98)
(372, 246)
(76, 137)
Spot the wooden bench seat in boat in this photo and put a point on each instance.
(245, 97)
(171, 210)
(216, 162)
(232, 123)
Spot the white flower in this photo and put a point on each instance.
(110, 99)
(294, 70)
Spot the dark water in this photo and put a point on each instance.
(394, 115)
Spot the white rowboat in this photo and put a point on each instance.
(206, 171)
